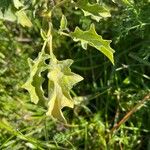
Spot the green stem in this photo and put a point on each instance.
(43, 47)
(49, 40)
(63, 33)
(52, 56)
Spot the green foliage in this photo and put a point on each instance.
(63, 23)
(14, 10)
(93, 39)
(4, 4)
(108, 92)
(95, 10)
(60, 78)
(34, 82)
(23, 19)
(61, 81)
(17, 4)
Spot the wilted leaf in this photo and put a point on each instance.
(61, 81)
(23, 19)
(93, 39)
(95, 10)
(35, 80)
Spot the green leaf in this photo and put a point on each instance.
(96, 11)
(63, 23)
(17, 4)
(124, 2)
(126, 80)
(8, 16)
(93, 39)
(35, 80)
(23, 19)
(61, 81)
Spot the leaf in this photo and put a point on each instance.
(17, 4)
(63, 23)
(61, 82)
(8, 15)
(84, 44)
(96, 11)
(124, 2)
(35, 80)
(23, 19)
(94, 40)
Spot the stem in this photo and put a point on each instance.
(63, 33)
(43, 47)
(49, 40)
(134, 109)
(52, 56)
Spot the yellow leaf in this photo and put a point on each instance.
(23, 19)
(61, 82)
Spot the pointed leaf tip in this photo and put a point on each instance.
(93, 39)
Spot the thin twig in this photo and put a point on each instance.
(134, 109)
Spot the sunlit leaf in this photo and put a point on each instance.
(96, 11)
(63, 23)
(35, 80)
(126, 80)
(23, 19)
(93, 39)
(61, 81)
(124, 2)
(8, 15)
(17, 4)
